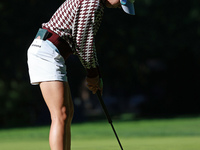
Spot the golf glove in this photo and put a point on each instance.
(94, 84)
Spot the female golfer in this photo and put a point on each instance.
(70, 30)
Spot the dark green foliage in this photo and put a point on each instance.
(154, 54)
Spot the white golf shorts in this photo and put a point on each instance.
(45, 63)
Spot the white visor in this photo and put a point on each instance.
(128, 7)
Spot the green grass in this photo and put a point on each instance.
(166, 134)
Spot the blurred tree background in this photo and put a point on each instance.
(150, 62)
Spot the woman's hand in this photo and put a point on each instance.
(94, 84)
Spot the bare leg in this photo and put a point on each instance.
(58, 99)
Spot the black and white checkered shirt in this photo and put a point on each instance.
(77, 21)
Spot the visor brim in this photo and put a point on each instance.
(129, 8)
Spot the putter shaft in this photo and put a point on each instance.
(108, 116)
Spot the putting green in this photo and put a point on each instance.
(150, 143)
(164, 134)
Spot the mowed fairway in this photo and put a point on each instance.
(165, 134)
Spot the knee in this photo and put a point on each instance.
(63, 115)
(67, 113)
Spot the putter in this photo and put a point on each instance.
(108, 116)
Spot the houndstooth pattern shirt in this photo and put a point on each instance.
(77, 22)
